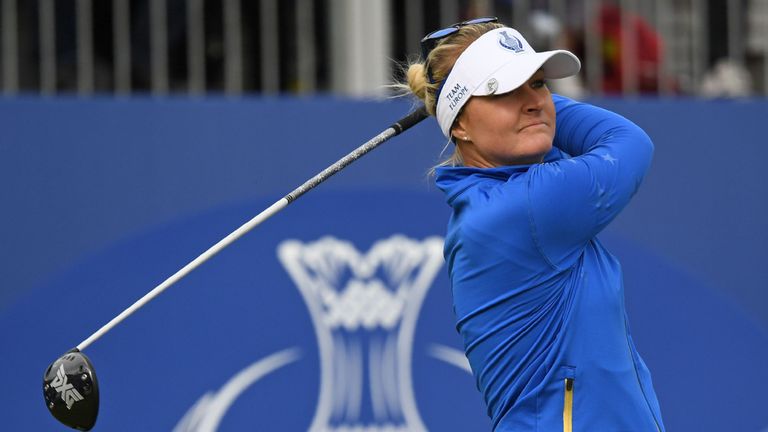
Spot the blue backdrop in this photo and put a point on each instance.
(104, 199)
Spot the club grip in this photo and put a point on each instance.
(411, 119)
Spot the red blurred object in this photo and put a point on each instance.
(647, 52)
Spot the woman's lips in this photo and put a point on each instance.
(534, 124)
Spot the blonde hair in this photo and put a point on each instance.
(441, 60)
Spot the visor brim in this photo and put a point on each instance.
(555, 64)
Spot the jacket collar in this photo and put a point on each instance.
(455, 180)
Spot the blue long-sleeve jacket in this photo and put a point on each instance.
(539, 301)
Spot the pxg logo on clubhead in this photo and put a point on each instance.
(71, 392)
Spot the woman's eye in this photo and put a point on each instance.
(539, 83)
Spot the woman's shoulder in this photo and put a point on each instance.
(470, 181)
(492, 198)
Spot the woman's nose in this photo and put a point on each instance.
(534, 100)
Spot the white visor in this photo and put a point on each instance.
(496, 63)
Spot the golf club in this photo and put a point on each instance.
(70, 387)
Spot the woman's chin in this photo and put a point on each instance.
(535, 153)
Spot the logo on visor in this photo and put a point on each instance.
(492, 86)
(455, 95)
(510, 42)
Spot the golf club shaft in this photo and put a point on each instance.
(401, 125)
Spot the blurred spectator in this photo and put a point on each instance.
(647, 51)
(727, 79)
(612, 29)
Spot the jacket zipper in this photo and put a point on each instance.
(568, 406)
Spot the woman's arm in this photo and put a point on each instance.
(571, 200)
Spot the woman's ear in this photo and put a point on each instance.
(458, 130)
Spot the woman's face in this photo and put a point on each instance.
(513, 128)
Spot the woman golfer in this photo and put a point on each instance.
(534, 178)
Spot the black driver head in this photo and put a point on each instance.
(71, 391)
